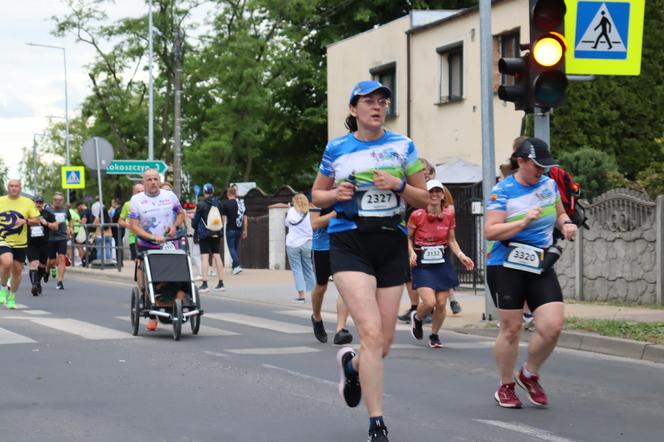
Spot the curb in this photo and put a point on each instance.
(591, 342)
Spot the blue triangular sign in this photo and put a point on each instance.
(73, 177)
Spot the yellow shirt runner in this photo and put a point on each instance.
(10, 211)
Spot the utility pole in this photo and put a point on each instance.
(177, 123)
(150, 88)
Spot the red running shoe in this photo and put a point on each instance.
(536, 393)
(506, 396)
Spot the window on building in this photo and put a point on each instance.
(450, 86)
(387, 75)
(509, 47)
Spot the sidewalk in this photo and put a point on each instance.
(276, 287)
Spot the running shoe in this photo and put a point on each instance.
(434, 341)
(343, 337)
(35, 289)
(236, 270)
(536, 393)
(54, 272)
(528, 321)
(11, 301)
(349, 386)
(46, 276)
(319, 330)
(406, 316)
(299, 300)
(220, 287)
(3, 295)
(415, 326)
(455, 307)
(203, 287)
(152, 325)
(378, 435)
(428, 319)
(506, 396)
(59, 286)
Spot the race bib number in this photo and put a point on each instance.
(168, 245)
(36, 231)
(378, 203)
(524, 257)
(433, 255)
(60, 217)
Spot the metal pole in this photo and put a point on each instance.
(150, 87)
(68, 152)
(177, 123)
(488, 154)
(34, 163)
(542, 122)
(101, 202)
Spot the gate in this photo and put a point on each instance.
(468, 231)
(255, 250)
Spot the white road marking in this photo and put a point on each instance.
(273, 351)
(302, 375)
(37, 312)
(204, 330)
(7, 337)
(259, 322)
(526, 429)
(84, 329)
(215, 353)
(330, 317)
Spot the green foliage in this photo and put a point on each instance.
(3, 177)
(652, 179)
(621, 116)
(591, 168)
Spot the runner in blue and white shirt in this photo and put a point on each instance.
(522, 211)
(366, 175)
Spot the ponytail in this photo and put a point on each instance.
(351, 123)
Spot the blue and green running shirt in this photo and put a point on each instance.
(515, 200)
(393, 153)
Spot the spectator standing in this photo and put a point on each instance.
(209, 226)
(236, 225)
(298, 245)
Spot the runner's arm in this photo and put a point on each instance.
(454, 245)
(324, 193)
(319, 221)
(496, 229)
(139, 231)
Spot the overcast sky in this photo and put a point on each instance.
(32, 78)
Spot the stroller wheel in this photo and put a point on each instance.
(177, 319)
(135, 313)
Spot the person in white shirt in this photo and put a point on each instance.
(298, 245)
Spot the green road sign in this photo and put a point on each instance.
(129, 167)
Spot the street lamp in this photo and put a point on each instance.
(34, 162)
(64, 55)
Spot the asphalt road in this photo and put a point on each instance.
(72, 371)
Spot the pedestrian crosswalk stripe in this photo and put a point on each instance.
(204, 330)
(8, 337)
(259, 322)
(273, 350)
(37, 312)
(330, 317)
(81, 328)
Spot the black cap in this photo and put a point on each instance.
(536, 150)
(38, 199)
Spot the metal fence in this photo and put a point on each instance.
(469, 232)
(93, 249)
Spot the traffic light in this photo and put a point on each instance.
(548, 81)
(519, 92)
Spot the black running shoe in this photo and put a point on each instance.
(59, 286)
(456, 307)
(349, 386)
(220, 286)
(415, 326)
(319, 330)
(343, 337)
(434, 341)
(204, 287)
(378, 435)
(46, 275)
(406, 316)
(35, 289)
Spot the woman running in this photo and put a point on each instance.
(430, 240)
(523, 210)
(369, 175)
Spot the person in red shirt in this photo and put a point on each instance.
(430, 239)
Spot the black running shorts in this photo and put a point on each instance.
(38, 251)
(18, 253)
(510, 288)
(380, 254)
(322, 266)
(57, 248)
(210, 245)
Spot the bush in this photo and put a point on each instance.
(595, 170)
(652, 179)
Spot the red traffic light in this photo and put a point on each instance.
(548, 15)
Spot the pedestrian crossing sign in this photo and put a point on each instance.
(73, 177)
(605, 36)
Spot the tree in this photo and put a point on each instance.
(595, 170)
(4, 175)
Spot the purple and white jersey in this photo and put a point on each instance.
(155, 214)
